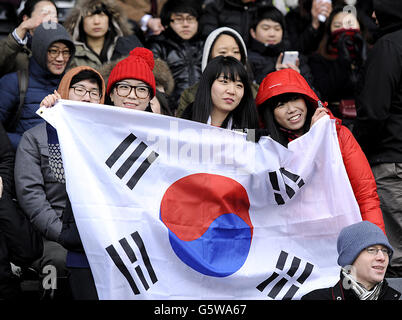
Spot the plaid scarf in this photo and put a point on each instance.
(349, 41)
(291, 135)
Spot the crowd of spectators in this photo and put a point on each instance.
(348, 51)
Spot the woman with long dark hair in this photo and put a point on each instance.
(224, 97)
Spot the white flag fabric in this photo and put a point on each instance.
(173, 209)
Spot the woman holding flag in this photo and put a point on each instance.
(288, 107)
(131, 85)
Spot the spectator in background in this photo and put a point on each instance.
(268, 43)
(52, 50)
(235, 14)
(378, 124)
(223, 41)
(364, 254)
(337, 65)
(180, 45)
(304, 29)
(19, 242)
(146, 13)
(289, 107)
(15, 49)
(101, 33)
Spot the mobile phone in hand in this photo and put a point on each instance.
(290, 57)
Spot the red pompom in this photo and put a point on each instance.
(144, 54)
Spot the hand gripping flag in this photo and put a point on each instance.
(173, 209)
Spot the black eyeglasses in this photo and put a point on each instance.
(54, 53)
(81, 91)
(180, 20)
(124, 90)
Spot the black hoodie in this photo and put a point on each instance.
(389, 15)
(378, 125)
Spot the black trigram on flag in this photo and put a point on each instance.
(290, 280)
(118, 261)
(274, 177)
(130, 161)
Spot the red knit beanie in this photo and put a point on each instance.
(138, 65)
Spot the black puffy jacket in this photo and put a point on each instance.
(263, 60)
(231, 13)
(183, 58)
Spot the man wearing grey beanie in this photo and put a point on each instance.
(364, 254)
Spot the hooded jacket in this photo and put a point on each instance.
(358, 169)
(40, 82)
(378, 125)
(40, 194)
(69, 236)
(183, 58)
(119, 40)
(64, 86)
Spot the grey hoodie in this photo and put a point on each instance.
(46, 34)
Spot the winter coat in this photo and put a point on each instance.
(13, 56)
(68, 237)
(263, 60)
(40, 195)
(183, 58)
(332, 77)
(231, 13)
(338, 292)
(40, 83)
(357, 167)
(119, 40)
(19, 242)
(302, 36)
(378, 125)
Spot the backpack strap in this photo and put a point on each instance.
(23, 78)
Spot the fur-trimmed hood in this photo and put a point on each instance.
(83, 7)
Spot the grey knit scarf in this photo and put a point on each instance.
(361, 292)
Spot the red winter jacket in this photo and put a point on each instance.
(355, 161)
